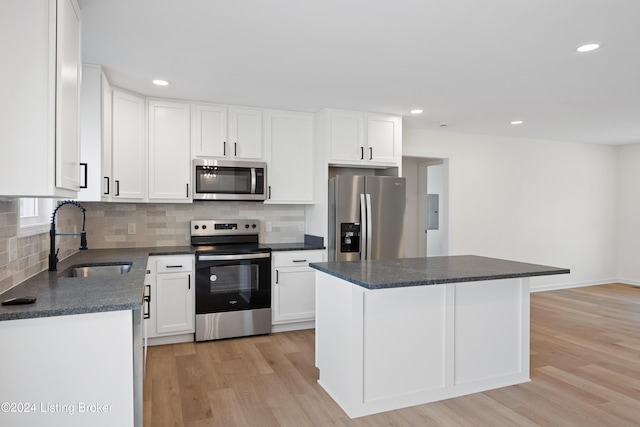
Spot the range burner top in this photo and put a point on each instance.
(226, 236)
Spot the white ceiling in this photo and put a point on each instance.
(473, 64)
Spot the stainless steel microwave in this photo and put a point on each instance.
(229, 180)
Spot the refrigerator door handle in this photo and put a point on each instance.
(363, 228)
(369, 227)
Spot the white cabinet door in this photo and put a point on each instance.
(245, 133)
(209, 130)
(107, 171)
(68, 72)
(294, 297)
(171, 305)
(129, 146)
(92, 132)
(384, 135)
(40, 97)
(289, 149)
(174, 303)
(346, 137)
(294, 294)
(169, 154)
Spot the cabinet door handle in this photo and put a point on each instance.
(235, 148)
(269, 191)
(189, 280)
(187, 190)
(370, 153)
(84, 171)
(361, 153)
(146, 313)
(277, 276)
(107, 182)
(224, 148)
(117, 188)
(299, 260)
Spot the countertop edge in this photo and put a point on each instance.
(443, 280)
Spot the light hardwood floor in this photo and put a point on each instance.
(585, 371)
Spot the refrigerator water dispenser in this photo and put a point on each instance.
(349, 237)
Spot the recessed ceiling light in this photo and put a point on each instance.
(160, 82)
(416, 111)
(517, 122)
(588, 47)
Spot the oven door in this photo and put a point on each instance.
(233, 282)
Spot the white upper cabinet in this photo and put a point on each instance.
(226, 132)
(363, 139)
(289, 151)
(346, 136)
(245, 133)
(169, 153)
(209, 130)
(384, 136)
(95, 134)
(39, 105)
(128, 146)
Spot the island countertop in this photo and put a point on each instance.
(394, 273)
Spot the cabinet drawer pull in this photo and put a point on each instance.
(299, 260)
(146, 312)
(173, 266)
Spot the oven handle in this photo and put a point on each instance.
(233, 257)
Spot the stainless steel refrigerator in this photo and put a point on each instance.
(366, 216)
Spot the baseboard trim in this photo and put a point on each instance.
(558, 286)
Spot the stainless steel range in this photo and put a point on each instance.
(233, 279)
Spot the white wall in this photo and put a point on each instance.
(629, 214)
(411, 220)
(544, 202)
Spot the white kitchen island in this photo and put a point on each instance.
(398, 333)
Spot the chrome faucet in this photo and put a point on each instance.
(53, 253)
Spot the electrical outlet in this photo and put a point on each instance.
(131, 229)
(269, 227)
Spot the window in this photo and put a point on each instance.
(35, 216)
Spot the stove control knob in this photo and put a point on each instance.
(246, 226)
(253, 226)
(196, 226)
(204, 227)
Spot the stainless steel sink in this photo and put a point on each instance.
(97, 269)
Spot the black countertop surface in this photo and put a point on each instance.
(59, 296)
(381, 274)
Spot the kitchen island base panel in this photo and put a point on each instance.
(385, 349)
(76, 370)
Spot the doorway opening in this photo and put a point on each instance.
(427, 212)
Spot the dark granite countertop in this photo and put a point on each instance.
(64, 296)
(380, 274)
(300, 246)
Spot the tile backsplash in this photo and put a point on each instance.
(23, 257)
(125, 225)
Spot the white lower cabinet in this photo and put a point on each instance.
(170, 287)
(294, 289)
